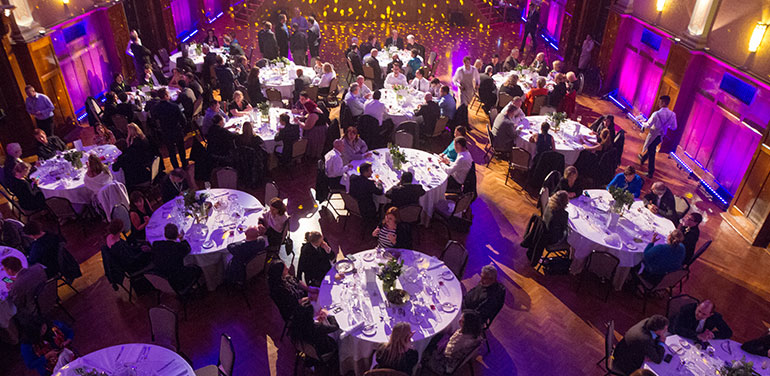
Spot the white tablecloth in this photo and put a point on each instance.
(145, 359)
(211, 260)
(424, 166)
(567, 143)
(400, 106)
(7, 309)
(424, 312)
(281, 77)
(386, 56)
(588, 231)
(697, 362)
(196, 58)
(58, 178)
(527, 79)
(266, 130)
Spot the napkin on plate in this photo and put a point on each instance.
(612, 240)
(352, 330)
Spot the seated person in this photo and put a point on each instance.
(168, 259)
(447, 103)
(604, 144)
(568, 183)
(288, 134)
(486, 298)
(556, 218)
(274, 219)
(662, 259)
(451, 350)
(118, 84)
(12, 157)
(208, 118)
(700, 322)
(374, 108)
(435, 87)
(759, 346)
(97, 174)
(415, 63)
(243, 252)
(363, 189)
(286, 291)
(543, 141)
(303, 327)
(335, 165)
(661, 201)
(220, 140)
(47, 147)
(556, 96)
(628, 180)
(27, 193)
(419, 82)
(354, 147)
(395, 78)
(397, 353)
(136, 158)
(103, 136)
(354, 101)
(391, 233)
(604, 122)
(427, 114)
(239, 106)
(405, 192)
(511, 86)
(689, 227)
(44, 249)
(505, 130)
(315, 259)
(534, 92)
(458, 170)
(125, 257)
(174, 184)
(644, 341)
(139, 212)
(45, 345)
(450, 153)
(24, 284)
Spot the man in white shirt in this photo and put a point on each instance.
(395, 78)
(420, 83)
(373, 107)
(659, 123)
(335, 167)
(354, 101)
(364, 92)
(458, 170)
(466, 78)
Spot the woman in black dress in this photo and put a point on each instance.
(140, 214)
(569, 184)
(397, 354)
(315, 258)
(239, 106)
(556, 218)
(29, 195)
(211, 39)
(313, 331)
(254, 86)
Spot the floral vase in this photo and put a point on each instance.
(616, 211)
(388, 285)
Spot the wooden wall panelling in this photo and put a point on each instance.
(17, 125)
(608, 47)
(116, 17)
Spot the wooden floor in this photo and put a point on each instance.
(545, 328)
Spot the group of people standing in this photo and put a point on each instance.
(301, 37)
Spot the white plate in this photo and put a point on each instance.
(448, 307)
(369, 330)
(369, 257)
(630, 246)
(447, 275)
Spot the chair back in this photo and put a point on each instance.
(609, 341)
(537, 104)
(256, 266)
(159, 283)
(455, 257)
(464, 202)
(602, 264)
(351, 205)
(226, 177)
(384, 372)
(503, 99)
(431, 58)
(671, 279)
(410, 214)
(226, 355)
(163, 53)
(47, 296)
(157, 61)
(607, 167)
(403, 139)
(120, 212)
(520, 158)
(675, 305)
(334, 86)
(61, 208)
(699, 252)
(369, 72)
(13, 235)
(492, 116)
(543, 164)
(440, 126)
(468, 358)
(619, 144)
(408, 126)
(312, 92)
(112, 194)
(552, 180)
(197, 107)
(542, 202)
(682, 206)
(120, 122)
(164, 327)
(299, 148)
(273, 95)
(271, 190)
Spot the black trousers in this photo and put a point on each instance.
(46, 125)
(174, 146)
(533, 34)
(650, 154)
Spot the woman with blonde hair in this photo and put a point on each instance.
(134, 133)
(97, 174)
(605, 143)
(325, 80)
(239, 106)
(397, 354)
(102, 135)
(568, 182)
(315, 259)
(511, 86)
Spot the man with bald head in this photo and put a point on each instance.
(701, 322)
(244, 251)
(661, 201)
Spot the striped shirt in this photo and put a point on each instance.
(383, 238)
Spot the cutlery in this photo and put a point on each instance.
(164, 367)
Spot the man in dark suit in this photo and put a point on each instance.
(47, 147)
(243, 252)
(355, 60)
(496, 64)
(225, 79)
(530, 28)
(184, 62)
(168, 259)
(700, 322)
(44, 248)
(645, 340)
(300, 83)
(487, 89)
(661, 201)
(172, 123)
(405, 192)
(427, 114)
(411, 44)
(559, 91)
(268, 45)
(488, 297)
(141, 54)
(220, 140)
(186, 98)
(26, 282)
(282, 36)
(363, 189)
(299, 45)
(689, 227)
(372, 61)
(394, 40)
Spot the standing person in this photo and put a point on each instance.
(225, 79)
(354, 55)
(24, 283)
(530, 28)
(397, 354)
(372, 61)
(585, 53)
(282, 36)
(172, 122)
(659, 123)
(466, 78)
(299, 46)
(313, 127)
(487, 89)
(268, 45)
(300, 20)
(315, 259)
(314, 37)
(254, 87)
(41, 107)
(141, 54)
(644, 341)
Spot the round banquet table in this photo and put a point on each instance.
(567, 144)
(401, 105)
(385, 56)
(145, 359)
(527, 79)
(196, 58)
(7, 309)
(357, 301)
(425, 167)
(588, 219)
(281, 77)
(226, 226)
(142, 95)
(689, 361)
(266, 129)
(58, 178)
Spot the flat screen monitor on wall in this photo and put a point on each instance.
(651, 39)
(737, 88)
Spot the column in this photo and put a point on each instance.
(701, 21)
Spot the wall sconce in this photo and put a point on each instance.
(756, 36)
(660, 5)
(7, 9)
(65, 2)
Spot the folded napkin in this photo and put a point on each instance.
(612, 240)
(435, 263)
(352, 330)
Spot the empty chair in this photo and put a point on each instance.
(62, 209)
(552, 180)
(440, 127)
(298, 150)
(455, 256)
(537, 104)
(602, 265)
(520, 160)
(697, 254)
(120, 212)
(226, 360)
(609, 347)
(448, 209)
(274, 97)
(682, 206)
(271, 191)
(666, 284)
(503, 99)
(164, 327)
(225, 177)
(403, 139)
(47, 298)
(162, 286)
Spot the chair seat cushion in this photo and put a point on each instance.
(210, 370)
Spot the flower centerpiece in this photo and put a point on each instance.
(264, 109)
(622, 198)
(196, 205)
(557, 118)
(739, 368)
(74, 157)
(397, 157)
